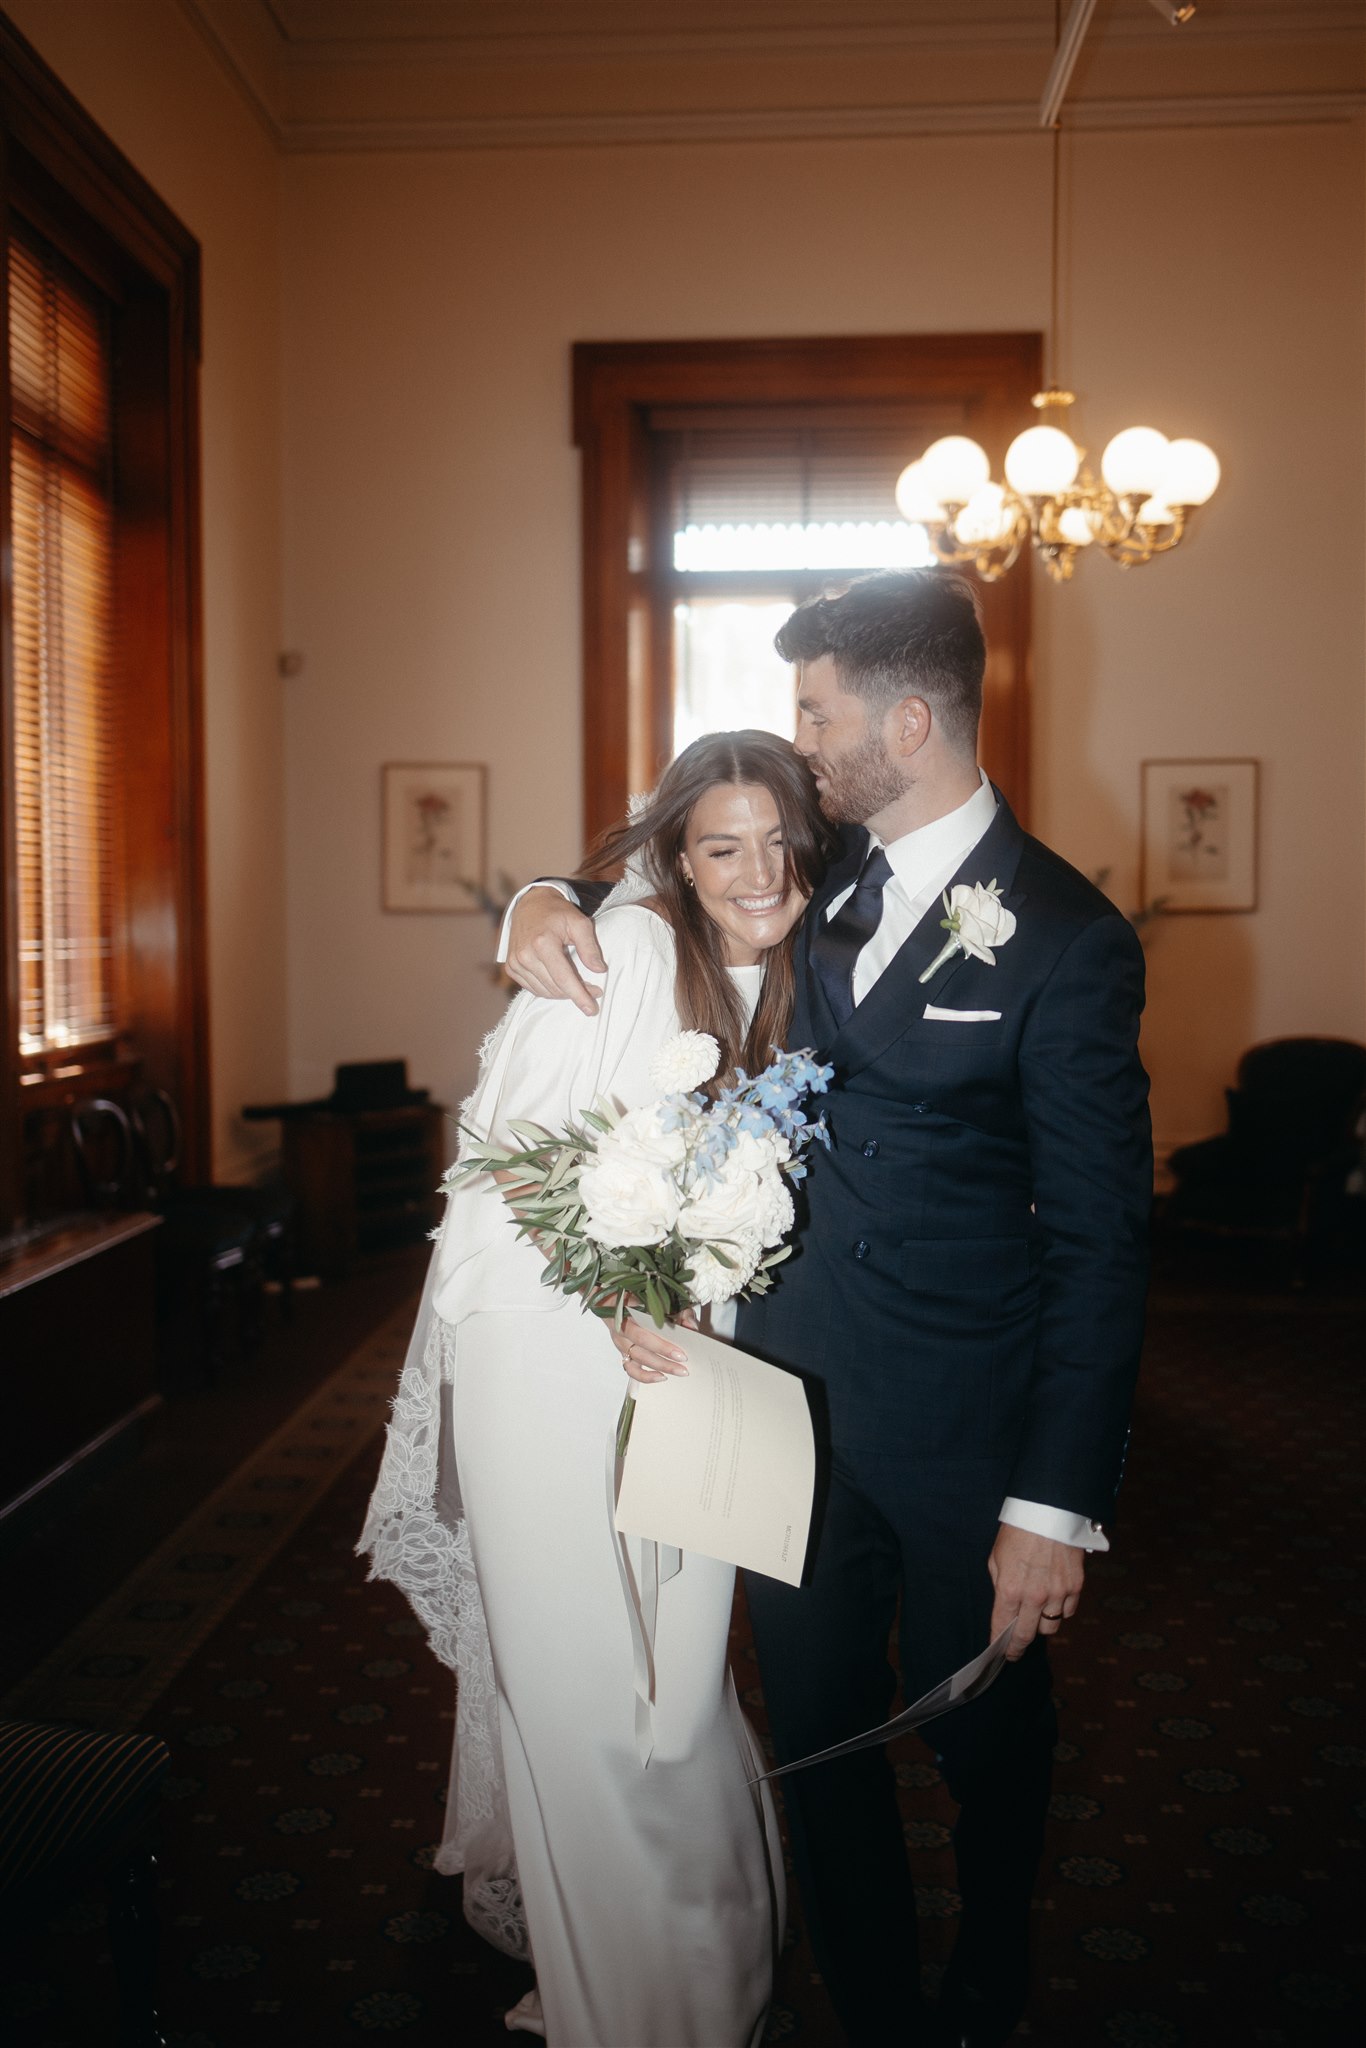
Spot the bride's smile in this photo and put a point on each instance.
(735, 857)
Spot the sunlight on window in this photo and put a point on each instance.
(854, 545)
(727, 671)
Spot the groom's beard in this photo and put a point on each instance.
(861, 783)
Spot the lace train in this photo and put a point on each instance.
(416, 1537)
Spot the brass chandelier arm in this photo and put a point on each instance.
(1141, 543)
(989, 559)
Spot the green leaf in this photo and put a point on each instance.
(533, 1134)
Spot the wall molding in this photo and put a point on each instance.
(276, 77)
(546, 41)
(806, 124)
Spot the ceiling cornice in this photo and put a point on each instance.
(807, 124)
(285, 83)
(252, 68)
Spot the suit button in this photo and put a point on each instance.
(862, 1248)
(919, 1108)
(870, 1150)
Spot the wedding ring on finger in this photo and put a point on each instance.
(1051, 1617)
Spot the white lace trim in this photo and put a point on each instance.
(427, 1556)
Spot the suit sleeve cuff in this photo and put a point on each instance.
(565, 890)
(1058, 1523)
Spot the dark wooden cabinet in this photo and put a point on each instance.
(77, 1350)
(364, 1180)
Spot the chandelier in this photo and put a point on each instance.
(1149, 487)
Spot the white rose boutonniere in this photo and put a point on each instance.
(977, 920)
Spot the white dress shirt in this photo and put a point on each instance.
(923, 863)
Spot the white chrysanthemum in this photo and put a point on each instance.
(685, 1062)
(629, 1188)
(714, 1282)
(775, 1208)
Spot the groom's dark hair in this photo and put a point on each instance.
(900, 633)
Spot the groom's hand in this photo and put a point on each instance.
(544, 925)
(1038, 1585)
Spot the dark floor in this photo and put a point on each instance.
(1202, 1880)
(72, 1557)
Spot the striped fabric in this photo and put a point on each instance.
(70, 1794)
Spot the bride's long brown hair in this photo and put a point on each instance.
(705, 994)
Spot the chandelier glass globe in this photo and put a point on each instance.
(986, 519)
(1190, 475)
(1133, 462)
(954, 467)
(1076, 526)
(915, 501)
(1042, 462)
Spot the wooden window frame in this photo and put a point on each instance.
(61, 173)
(967, 383)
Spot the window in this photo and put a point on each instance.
(725, 481)
(762, 509)
(67, 718)
(101, 790)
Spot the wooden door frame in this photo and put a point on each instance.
(976, 383)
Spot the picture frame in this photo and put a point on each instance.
(433, 836)
(1199, 835)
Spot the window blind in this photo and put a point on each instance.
(66, 713)
(789, 476)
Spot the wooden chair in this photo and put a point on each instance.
(207, 1242)
(271, 1207)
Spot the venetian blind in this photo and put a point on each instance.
(786, 476)
(66, 723)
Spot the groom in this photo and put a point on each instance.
(968, 1285)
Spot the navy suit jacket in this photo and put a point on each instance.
(971, 1264)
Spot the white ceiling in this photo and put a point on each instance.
(396, 74)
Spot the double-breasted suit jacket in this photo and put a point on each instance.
(969, 1276)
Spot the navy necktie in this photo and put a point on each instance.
(840, 940)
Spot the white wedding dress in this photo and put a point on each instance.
(649, 1895)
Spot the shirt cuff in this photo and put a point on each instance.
(1058, 1523)
(565, 890)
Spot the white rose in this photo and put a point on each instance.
(713, 1282)
(731, 1204)
(759, 1155)
(983, 920)
(685, 1062)
(629, 1188)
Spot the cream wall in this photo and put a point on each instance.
(143, 73)
(431, 532)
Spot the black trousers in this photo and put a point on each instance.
(920, 1533)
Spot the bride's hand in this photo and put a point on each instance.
(646, 1353)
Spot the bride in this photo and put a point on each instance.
(624, 1851)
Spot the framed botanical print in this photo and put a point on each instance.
(1199, 835)
(434, 829)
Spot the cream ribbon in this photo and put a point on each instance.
(642, 1574)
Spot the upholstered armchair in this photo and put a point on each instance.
(1280, 1170)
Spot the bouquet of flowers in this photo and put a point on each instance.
(680, 1203)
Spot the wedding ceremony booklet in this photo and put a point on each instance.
(955, 1691)
(723, 1462)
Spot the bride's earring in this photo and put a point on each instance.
(688, 880)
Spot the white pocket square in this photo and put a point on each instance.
(938, 1016)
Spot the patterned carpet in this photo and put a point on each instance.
(1203, 1879)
